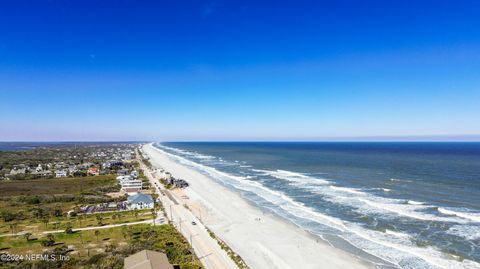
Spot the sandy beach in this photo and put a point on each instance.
(262, 240)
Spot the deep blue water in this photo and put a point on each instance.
(408, 205)
(16, 146)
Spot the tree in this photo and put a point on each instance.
(49, 241)
(45, 221)
(13, 227)
(135, 213)
(99, 219)
(154, 214)
(7, 216)
(68, 228)
(97, 233)
(27, 236)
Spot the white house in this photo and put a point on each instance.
(39, 168)
(129, 184)
(60, 173)
(140, 201)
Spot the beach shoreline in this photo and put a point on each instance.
(261, 238)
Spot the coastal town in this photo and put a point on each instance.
(99, 205)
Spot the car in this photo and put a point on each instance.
(194, 223)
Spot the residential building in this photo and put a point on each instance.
(147, 259)
(140, 201)
(42, 174)
(61, 173)
(94, 171)
(131, 185)
(122, 172)
(39, 168)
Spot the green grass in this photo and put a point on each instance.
(80, 221)
(111, 246)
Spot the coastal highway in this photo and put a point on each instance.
(205, 247)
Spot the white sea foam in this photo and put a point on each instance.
(400, 250)
(400, 180)
(465, 215)
(397, 234)
(349, 190)
(414, 202)
(469, 232)
(293, 177)
(401, 209)
(382, 189)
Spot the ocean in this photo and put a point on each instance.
(398, 205)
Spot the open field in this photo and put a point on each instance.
(23, 199)
(55, 186)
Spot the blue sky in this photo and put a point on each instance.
(239, 70)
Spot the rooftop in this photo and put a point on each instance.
(147, 259)
(140, 198)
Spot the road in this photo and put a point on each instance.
(206, 248)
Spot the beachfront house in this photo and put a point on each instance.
(140, 201)
(130, 184)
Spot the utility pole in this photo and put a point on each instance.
(191, 244)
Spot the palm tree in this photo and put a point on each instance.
(27, 236)
(154, 214)
(99, 220)
(45, 221)
(135, 212)
(13, 227)
(97, 233)
(79, 219)
(68, 228)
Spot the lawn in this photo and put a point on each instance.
(35, 226)
(107, 248)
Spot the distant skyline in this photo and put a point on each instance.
(239, 70)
